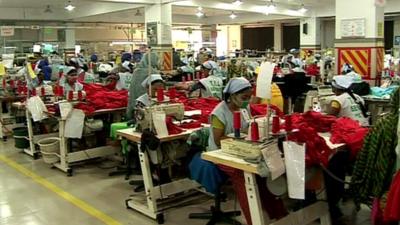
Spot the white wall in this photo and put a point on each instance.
(234, 37)
(194, 38)
(222, 40)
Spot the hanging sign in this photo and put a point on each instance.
(6, 31)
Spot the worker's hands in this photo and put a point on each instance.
(182, 86)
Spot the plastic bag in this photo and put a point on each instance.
(74, 124)
(37, 108)
(275, 164)
(295, 168)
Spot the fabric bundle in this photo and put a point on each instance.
(375, 164)
(312, 70)
(100, 97)
(348, 131)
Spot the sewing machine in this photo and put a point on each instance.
(319, 100)
(144, 116)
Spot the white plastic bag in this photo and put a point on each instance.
(295, 157)
(159, 121)
(274, 161)
(37, 108)
(74, 124)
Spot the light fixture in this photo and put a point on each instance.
(271, 8)
(200, 8)
(233, 16)
(69, 6)
(48, 9)
(199, 14)
(303, 9)
(138, 13)
(237, 2)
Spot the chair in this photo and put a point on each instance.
(216, 215)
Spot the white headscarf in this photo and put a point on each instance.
(151, 79)
(236, 84)
(342, 81)
(68, 69)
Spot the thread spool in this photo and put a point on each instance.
(276, 127)
(80, 95)
(70, 95)
(183, 79)
(237, 123)
(189, 77)
(288, 123)
(33, 92)
(4, 83)
(42, 91)
(19, 89)
(255, 135)
(60, 91)
(160, 95)
(60, 74)
(198, 76)
(172, 93)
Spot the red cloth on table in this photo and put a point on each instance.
(273, 206)
(261, 110)
(348, 131)
(190, 125)
(392, 210)
(100, 97)
(172, 128)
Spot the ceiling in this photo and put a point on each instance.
(126, 11)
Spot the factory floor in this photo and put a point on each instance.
(31, 193)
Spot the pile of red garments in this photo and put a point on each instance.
(344, 130)
(348, 131)
(312, 70)
(261, 110)
(99, 97)
(206, 105)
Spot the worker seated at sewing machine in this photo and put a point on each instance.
(43, 88)
(237, 95)
(209, 86)
(70, 81)
(156, 84)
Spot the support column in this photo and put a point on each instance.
(209, 35)
(278, 35)
(360, 37)
(70, 41)
(310, 35)
(158, 18)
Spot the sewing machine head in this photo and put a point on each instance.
(144, 118)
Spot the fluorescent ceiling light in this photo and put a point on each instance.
(69, 6)
(303, 9)
(233, 16)
(237, 2)
(199, 14)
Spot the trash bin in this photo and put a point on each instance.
(21, 137)
(50, 149)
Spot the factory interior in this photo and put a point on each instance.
(200, 112)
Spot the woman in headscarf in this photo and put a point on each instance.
(237, 95)
(346, 103)
(141, 72)
(156, 82)
(70, 81)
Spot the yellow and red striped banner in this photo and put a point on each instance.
(359, 58)
(380, 54)
(167, 61)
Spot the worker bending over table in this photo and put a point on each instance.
(210, 86)
(237, 95)
(70, 81)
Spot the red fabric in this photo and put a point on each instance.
(344, 130)
(312, 70)
(273, 205)
(191, 125)
(348, 131)
(309, 124)
(392, 210)
(261, 110)
(172, 128)
(99, 97)
(112, 85)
